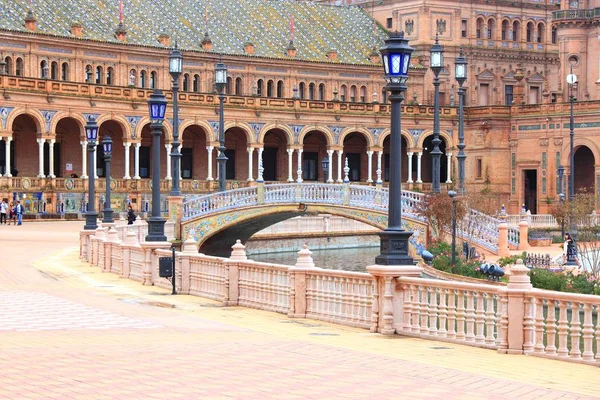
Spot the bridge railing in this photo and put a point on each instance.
(202, 205)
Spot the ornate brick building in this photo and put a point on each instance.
(305, 83)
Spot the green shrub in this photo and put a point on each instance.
(504, 261)
(542, 278)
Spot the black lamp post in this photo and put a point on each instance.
(175, 69)
(394, 240)
(325, 166)
(460, 72)
(157, 105)
(107, 148)
(91, 134)
(571, 80)
(453, 195)
(220, 83)
(436, 63)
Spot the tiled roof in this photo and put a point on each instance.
(231, 23)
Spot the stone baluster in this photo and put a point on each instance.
(433, 311)
(489, 320)
(588, 333)
(369, 166)
(479, 318)
(410, 171)
(551, 328)
(416, 309)
(460, 315)
(41, 158)
(209, 150)
(451, 313)
(470, 317)
(528, 323)
(502, 318)
(539, 326)
(424, 311)
(575, 331)
(563, 329)
(408, 306)
(442, 331)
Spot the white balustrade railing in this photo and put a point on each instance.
(338, 296)
(215, 202)
(264, 286)
(453, 311)
(562, 325)
(208, 277)
(320, 224)
(136, 263)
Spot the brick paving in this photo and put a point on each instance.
(68, 331)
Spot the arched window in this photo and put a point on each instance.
(143, 79)
(554, 35)
(270, 88)
(322, 91)
(110, 76)
(301, 89)
(99, 75)
(54, 70)
(186, 82)
(479, 28)
(516, 34)
(541, 33)
(229, 85)
(505, 28)
(343, 93)
(280, 89)
(19, 67)
(153, 78)
(491, 29)
(196, 84)
(9, 65)
(363, 94)
(238, 86)
(259, 87)
(311, 91)
(529, 32)
(64, 73)
(353, 93)
(44, 69)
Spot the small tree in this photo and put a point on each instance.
(588, 233)
(436, 208)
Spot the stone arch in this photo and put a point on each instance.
(443, 135)
(208, 130)
(37, 117)
(283, 127)
(75, 116)
(244, 127)
(579, 142)
(167, 129)
(386, 132)
(364, 131)
(323, 129)
(125, 125)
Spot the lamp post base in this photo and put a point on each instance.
(156, 230)
(394, 248)
(91, 221)
(108, 216)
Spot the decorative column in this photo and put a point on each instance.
(260, 164)
(41, 158)
(419, 155)
(210, 149)
(410, 155)
(379, 155)
(83, 144)
(449, 169)
(127, 147)
(7, 157)
(250, 153)
(330, 170)
(290, 157)
(51, 157)
(168, 147)
(369, 166)
(299, 171)
(137, 161)
(339, 169)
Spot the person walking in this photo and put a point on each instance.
(3, 210)
(130, 216)
(12, 214)
(19, 212)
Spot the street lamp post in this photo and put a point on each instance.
(460, 72)
(175, 69)
(394, 240)
(157, 105)
(107, 148)
(436, 63)
(453, 195)
(325, 166)
(571, 80)
(220, 83)
(91, 134)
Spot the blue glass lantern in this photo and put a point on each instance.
(91, 130)
(157, 105)
(107, 146)
(396, 58)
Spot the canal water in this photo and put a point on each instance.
(354, 259)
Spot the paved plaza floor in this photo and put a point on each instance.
(69, 331)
